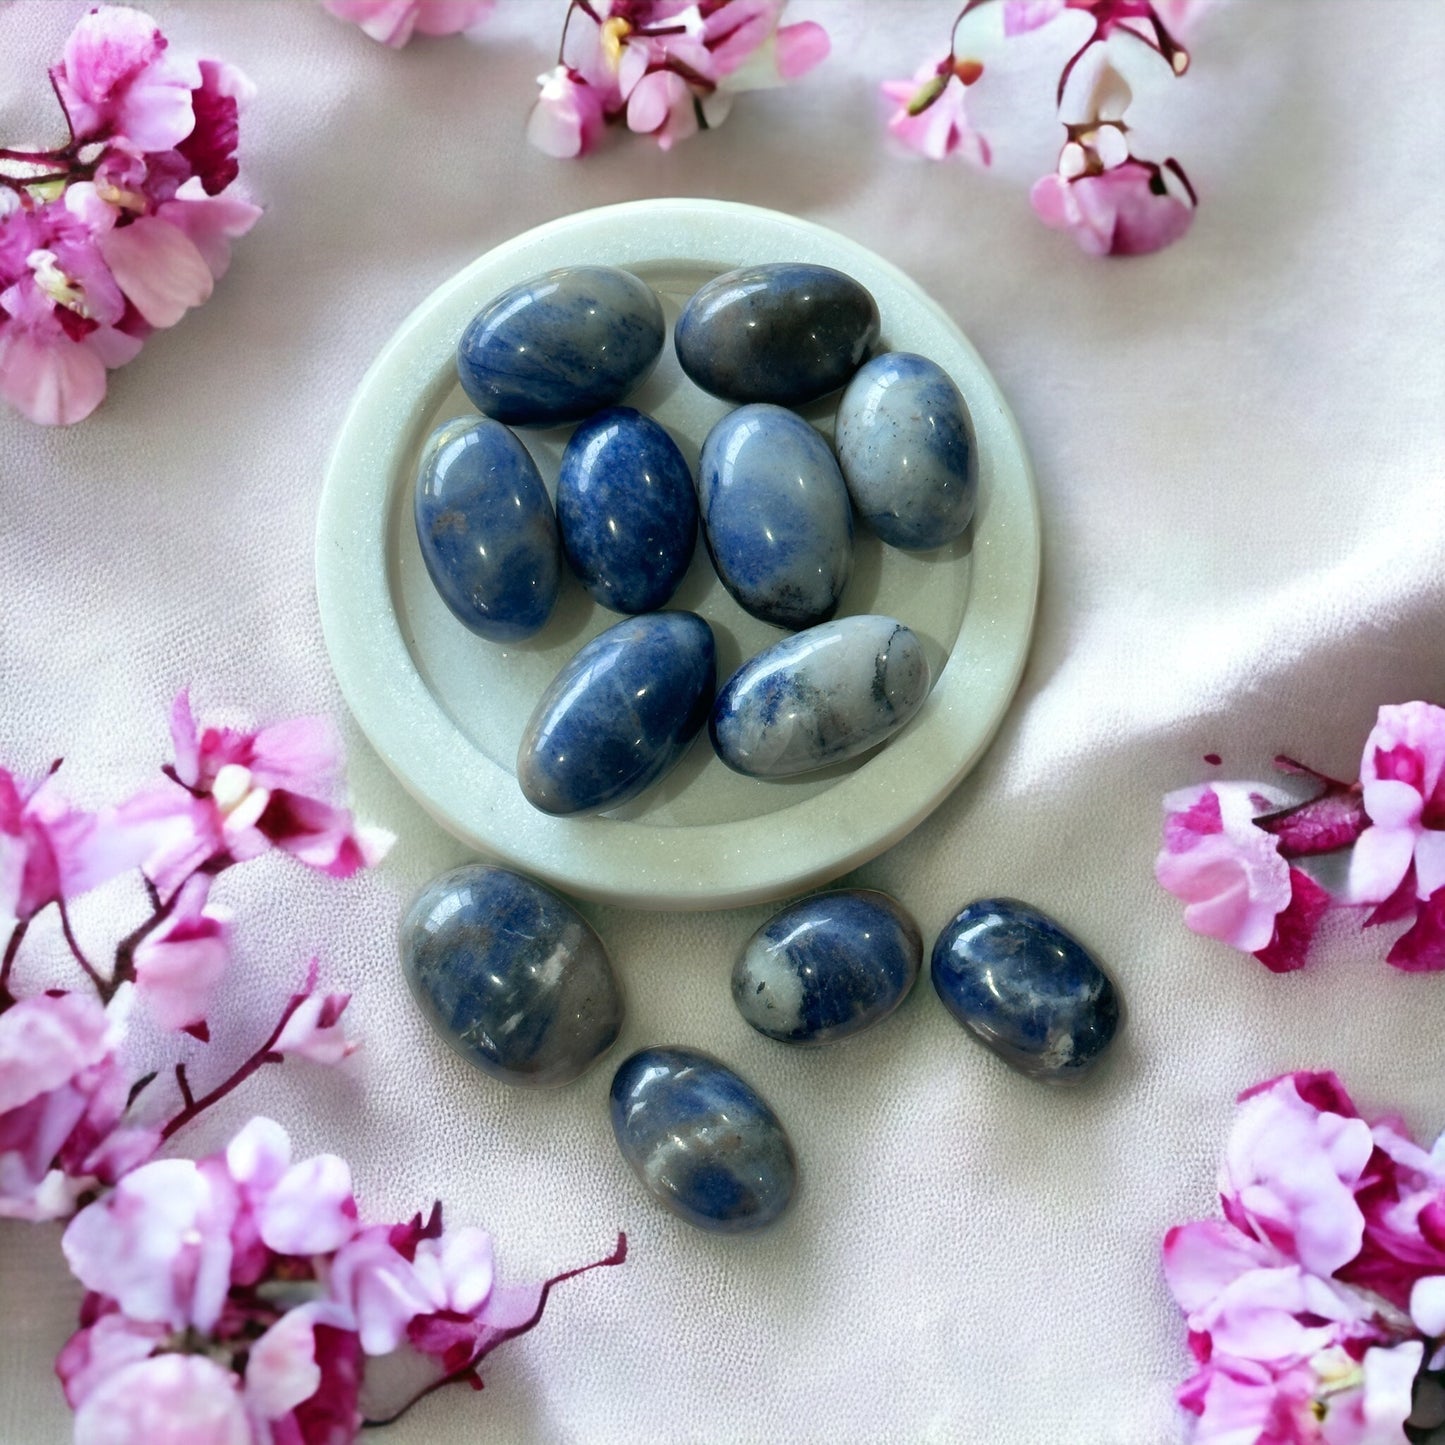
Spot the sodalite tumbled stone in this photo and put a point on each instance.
(627, 510)
(620, 714)
(820, 697)
(1026, 989)
(827, 967)
(486, 529)
(787, 332)
(776, 515)
(903, 447)
(510, 975)
(704, 1143)
(561, 346)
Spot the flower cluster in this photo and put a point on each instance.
(664, 68)
(122, 229)
(1110, 200)
(394, 22)
(1318, 1300)
(1230, 849)
(241, 1294)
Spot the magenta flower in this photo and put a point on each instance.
(1127, 211)
(1232, 876)
(178, 967)
(393, 22)
(932, 115)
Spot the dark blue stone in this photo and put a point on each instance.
(787, 332)
(510, 975)
(561, 346)
(776, 515)
(704, 1143)
(827, 967)
(620, 714)
(903, 448)
(487, 531)
(627, 510)
(1026, 989)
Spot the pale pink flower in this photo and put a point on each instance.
(393, 22)
(314, 1030)
(115, 77)
(158, 267)
(940, 128)
(309, 1361)
(299, 1209)
(166, 1400)
(379, 1288)
(568, 118)
(178, 967)
(107, 1344)
(750, 51)
(661, 105)
(1127, 211)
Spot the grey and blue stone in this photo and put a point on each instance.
(1026, 989)
(627, 510)
(776, 515)
(510, 975)
(904, 448)
(561, 346)
(827, 967)
(820, 697)
(786, 332)
(705, 1144)
(620, 714)
(486, 528)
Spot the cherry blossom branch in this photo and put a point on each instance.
(17, 936)
(104, 987)
(161, 910)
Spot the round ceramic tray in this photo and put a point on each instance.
(446, 709)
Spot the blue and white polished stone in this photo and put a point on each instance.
(561, 346)
(776, 515)
(705, 1144)
(510, 975)
(827, 967)
(627, 510)
(787, 332)
(486, 528)
(820, 697)
(1026, 989)
(620, 715)
(904, 449)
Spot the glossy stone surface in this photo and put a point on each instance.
(827, 967)
(704, 1143)
(776, 515)
(561, 346)
(620, 714)
(510, 975)
(627, 510)
(904, 449)
(787, 332)
(820, 697)
(1026, 989)
(486, 528)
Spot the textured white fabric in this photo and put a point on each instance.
(1238, 445)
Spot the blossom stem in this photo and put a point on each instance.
(17, 936)
(104, 987)
(37, 158)
(467, 1371)
(572, 9)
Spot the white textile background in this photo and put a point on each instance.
(1238, 445)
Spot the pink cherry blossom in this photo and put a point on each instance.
(941, 127)
(661, 106)
(1126, 211)
(303, 1377)
(116, 77)
(377, 1284)
(210, 223)
(166, 1400)
(179, 965)
(158, 267)
(1403, 772)
(210, 149)
(314, 1030)
(393, 22)
(110, 1342)
(568, 118)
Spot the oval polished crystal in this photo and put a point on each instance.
(776, 515)
(827, 967)
(620, 714)
(704, 1143)
(820, 697)
(627, 510)
(510, 975)
(904, 450)
(486, 529)
(560, 346)
(1027, 989)
(786, 332)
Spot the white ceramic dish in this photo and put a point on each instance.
(446, 709)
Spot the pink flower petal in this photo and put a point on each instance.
(166, 1400)
(1021, 16)
(54, 384)
(98, 1351)
(179, 966)
(311, 1209)
(1333, 820)
(1380, 860)
(158, 267)
(1294, 928)
(1421, 949)
(211, 223)
(259, 1156)
(567, 120)
(800, 48)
